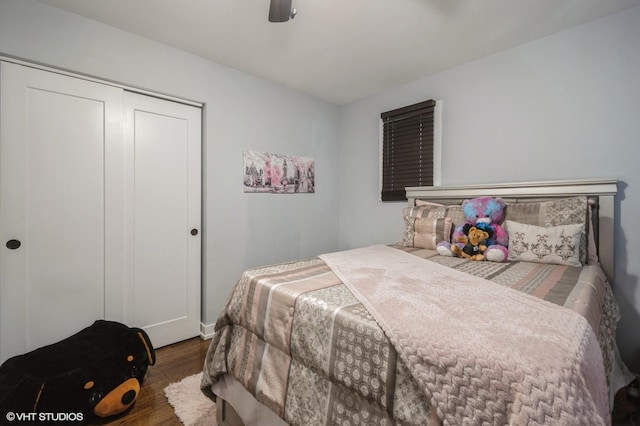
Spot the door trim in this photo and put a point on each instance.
(84, 76)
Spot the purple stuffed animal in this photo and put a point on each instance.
(485, 213)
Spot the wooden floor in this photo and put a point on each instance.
(173, 363)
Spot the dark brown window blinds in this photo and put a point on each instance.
(407, 149)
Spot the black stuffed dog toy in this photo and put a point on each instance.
(97, 371)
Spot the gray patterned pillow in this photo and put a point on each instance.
(554, 244)
(563, 211)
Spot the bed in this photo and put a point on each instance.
(398, 334)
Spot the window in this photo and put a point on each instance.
(410, 149)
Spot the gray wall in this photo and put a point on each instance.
(242, 112)
(563, 107)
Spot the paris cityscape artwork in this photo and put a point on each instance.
(277, 173)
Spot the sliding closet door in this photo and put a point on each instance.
(99, 210)
(56, 133)
(162, 211)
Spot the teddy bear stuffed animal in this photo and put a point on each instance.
(96, 372)
(485, 213)
(473, 240)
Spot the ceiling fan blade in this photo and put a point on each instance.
(280, 10)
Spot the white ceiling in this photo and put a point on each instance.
(343, 50)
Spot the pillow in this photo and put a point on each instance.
(426, 203)
(410, 214)
(554, 244)
(432, 211)
(429, 231)
(563, 211)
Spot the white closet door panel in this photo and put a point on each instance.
(55, 131)
(163, 206)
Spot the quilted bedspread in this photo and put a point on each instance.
(541, 366)
(306, 347)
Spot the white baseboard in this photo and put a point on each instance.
(206, 331)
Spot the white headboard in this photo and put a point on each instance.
(601, 191)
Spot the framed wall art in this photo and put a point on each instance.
(278, 173)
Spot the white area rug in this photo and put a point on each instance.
(192, 407)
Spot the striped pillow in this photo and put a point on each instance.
(429, 231)
(431, 211)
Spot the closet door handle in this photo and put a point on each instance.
(13, 244)
(194, 231)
